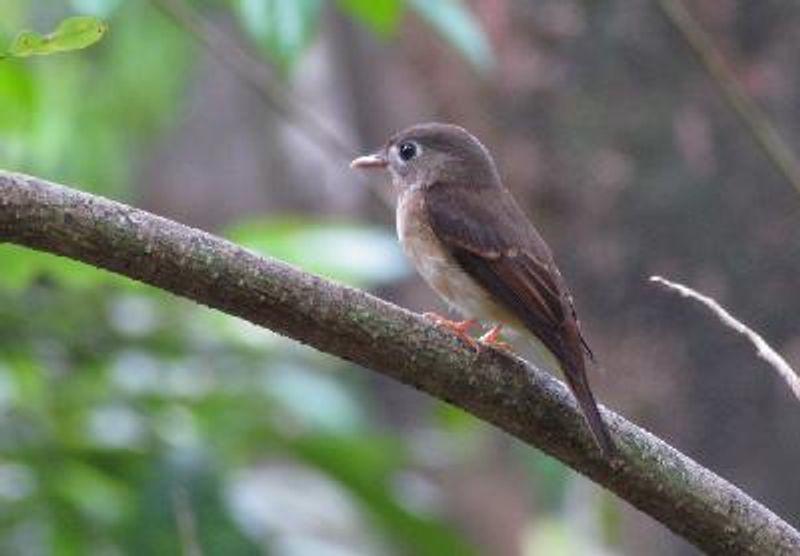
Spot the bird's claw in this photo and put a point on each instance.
(459, 328)
(491, 340)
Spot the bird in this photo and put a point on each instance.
(476, 248)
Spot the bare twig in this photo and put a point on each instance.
(496, 387)
(184, 519)
(752, 117)
(254, 73)
(763, 349)
(279, 97)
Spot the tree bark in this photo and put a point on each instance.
(496, 387)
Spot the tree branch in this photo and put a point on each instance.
(496, 387)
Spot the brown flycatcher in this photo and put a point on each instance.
(476, 248)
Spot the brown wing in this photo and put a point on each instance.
(492, 240)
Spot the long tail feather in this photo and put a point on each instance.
(574, 368)
(578, 383)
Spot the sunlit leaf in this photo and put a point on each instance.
(382, 16)
(76, 32)
(72, 33)
(455, 22)
(26, 43)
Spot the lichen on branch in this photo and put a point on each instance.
(496, 387)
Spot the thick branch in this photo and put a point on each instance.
(500, 389)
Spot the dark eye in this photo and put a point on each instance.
(407, 151)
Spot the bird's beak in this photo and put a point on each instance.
(375, 160)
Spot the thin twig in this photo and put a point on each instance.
(751, 116)
(763, 349)
(255, 74)
(184, 519)
(277, 96)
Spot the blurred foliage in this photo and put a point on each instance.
(112, 400)
(345, 252)
(43, 102)
(125, 412)
(284, 28)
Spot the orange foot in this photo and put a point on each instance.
(490, 339)
(459, 328)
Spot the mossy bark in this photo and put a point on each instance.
(496, 387)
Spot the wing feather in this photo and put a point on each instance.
(492, 240)
(501, 257)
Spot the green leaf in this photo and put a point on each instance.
(26, 43)
(381, 16)
(72, 33)
(76, 32)
(282, 28)
(457, 24)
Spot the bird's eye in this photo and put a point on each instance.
(407, 151)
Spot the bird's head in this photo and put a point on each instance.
(425, 154)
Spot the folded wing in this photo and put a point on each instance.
(511, 261)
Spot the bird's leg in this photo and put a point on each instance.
(459, 328)
(490, 339)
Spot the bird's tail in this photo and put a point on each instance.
(575, 374)
(571, 361)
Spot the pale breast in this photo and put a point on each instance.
(435, 265)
